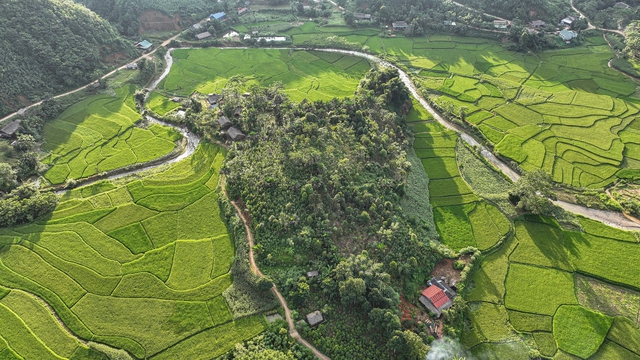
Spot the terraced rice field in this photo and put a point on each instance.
(543, 284)
(305, 74)
(462, 218)
(563, 111)
(100, 134)
(139, 266)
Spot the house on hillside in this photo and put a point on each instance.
(232, 35)
(224, 122)
(315, 318)
(362, 16)
(621, 5)
(220, 16)
(500, 24)
(537, 24)
(22, 112)
(196, 26)
(449, 23)
(235, 134)
(400, 25)
(568, 21)
(203, 35)
(214, 99)
(243, 11)
(568, 35)
(9, 130)
(144, 45)
(437, 297)
(132, 66)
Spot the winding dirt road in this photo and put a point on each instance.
(590, 26)
(287, 312)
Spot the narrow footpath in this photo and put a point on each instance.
(287, 312)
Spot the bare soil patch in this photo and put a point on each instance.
(153, 20)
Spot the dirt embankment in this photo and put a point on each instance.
(153, 20)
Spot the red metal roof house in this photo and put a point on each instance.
(437, 297)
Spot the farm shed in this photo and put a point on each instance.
(238, 112)
(214, 98)
(399, 25)
(144, 45)
(568, 21)
(500, 24)
(243, 11)
(132, 66)
(21, 112)
(315, 318)
(538, 24)
(437, 297)
(312, 274)
(362, 16)
(203, 35)
(220, 16)
(449, 23)
(235, 134)
(224, 122)
(10, 129)
(196, 26)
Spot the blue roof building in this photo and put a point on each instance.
(144, 45)
(568, 35)
(218, 16)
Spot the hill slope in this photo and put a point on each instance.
(47, 46)
(126, 14)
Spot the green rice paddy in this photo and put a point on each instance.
(307, 75)
(534, 276)
(462, 218)
(564, 111)
(139, 266)
(99, 134)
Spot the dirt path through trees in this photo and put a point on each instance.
(292, 328)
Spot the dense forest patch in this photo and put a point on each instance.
(47, 46)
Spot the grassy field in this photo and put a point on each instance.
(139, 266)
(304, 74)
(462, 218)
(100, 134)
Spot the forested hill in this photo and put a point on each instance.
(125, 14)
(47, 46)
(549, 10)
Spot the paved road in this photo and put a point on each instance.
(287, 312)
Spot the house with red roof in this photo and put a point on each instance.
(437, 297)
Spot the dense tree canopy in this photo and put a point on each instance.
(47, 46)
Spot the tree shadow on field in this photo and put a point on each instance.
(552, 243)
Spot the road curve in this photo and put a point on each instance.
(590, 26)
(287, 312)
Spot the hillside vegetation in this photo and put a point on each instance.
(47, 46)
(125, 14)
